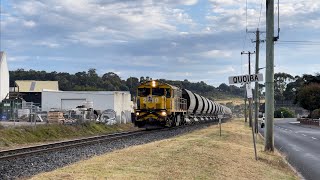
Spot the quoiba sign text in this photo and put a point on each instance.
(245, 78)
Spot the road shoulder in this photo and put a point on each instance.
(283, 156)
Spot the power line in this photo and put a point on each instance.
(245, 36)
(246, 15)
(301, 41)
(298, 44)
(244, 41)
(260, 14)
(241, 65)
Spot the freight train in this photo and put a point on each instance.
(160, 104)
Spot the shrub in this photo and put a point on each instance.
(315, 114)
(309, 97)
(286, 113)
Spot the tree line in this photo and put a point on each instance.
(91, 81)
(286, 87)
(303, 90)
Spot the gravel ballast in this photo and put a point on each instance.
(31, 165)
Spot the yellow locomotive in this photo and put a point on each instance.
(159, 104)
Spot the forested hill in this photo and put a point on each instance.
(91, 81)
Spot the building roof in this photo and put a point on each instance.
(37, 86)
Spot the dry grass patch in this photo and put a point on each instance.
(234, 101)
(198, 155)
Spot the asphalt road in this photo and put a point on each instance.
(300, 144)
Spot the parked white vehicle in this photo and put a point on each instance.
(262, 122)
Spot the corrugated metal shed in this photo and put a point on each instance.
(37, 86)
(119, 101)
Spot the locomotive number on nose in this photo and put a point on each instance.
(153, 100)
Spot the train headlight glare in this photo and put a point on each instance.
(153, 83)
(137, 113)
(163, 113)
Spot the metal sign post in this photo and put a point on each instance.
(249, 96)
(254, 143)
(220, 116)
(220, 126)
(247, 79)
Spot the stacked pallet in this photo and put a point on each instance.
(55, 117)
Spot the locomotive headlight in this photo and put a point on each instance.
(163, 113)
(153, 83)
(137, 113)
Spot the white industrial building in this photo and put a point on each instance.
(4, 76)
(119, 101)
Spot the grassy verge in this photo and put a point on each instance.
(20, 136)
(234, 101)
(198, 155)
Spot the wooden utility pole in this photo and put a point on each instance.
(256, 97)
(249, 99)
(269, 103)
(250, 107)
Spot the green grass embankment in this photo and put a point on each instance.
(21, 136)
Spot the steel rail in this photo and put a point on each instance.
(33, 150)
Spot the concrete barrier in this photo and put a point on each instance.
(315, 122)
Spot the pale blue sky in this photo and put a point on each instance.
(173, 39)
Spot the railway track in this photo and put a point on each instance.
(26, 162)
(33, 150)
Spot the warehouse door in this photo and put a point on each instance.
(67, 104)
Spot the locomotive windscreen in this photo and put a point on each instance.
(158, 91)
(143, 92)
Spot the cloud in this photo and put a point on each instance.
(48, 44)
(179, 2)
(29, 8)
(173, 39)
(17, 58)
(217, 54)
(224, 70)
(29, 24)
(95, 22)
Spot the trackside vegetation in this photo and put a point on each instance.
(201, 154)
(315, 114)
(283, 113)
(110, 81)
(286, 86)
(20, 136)
(309, 97)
